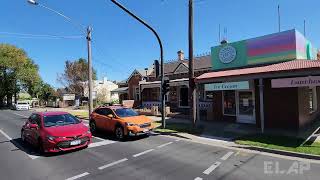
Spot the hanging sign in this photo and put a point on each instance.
(227, 86)
(310, 81)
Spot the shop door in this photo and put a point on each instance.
(245, 107)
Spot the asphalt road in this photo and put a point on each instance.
(156, 157)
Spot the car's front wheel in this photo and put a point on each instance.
(40, 147)
(119, 133)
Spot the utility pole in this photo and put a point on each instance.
(279, 19)
(192, 90)
(304, 28)
(161, 57)
(89, 69)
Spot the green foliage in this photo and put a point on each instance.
(16, 71)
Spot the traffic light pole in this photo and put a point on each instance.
(161, 56)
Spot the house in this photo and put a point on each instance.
(272, 81)
(129, 88)
(177, 72)
(102, 91)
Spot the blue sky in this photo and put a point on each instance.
(121, 44)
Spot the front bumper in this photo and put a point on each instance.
(63, 144)
(137, 131)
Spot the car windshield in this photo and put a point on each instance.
(60, 120)
(126, 112)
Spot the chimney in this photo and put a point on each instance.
(180, 55)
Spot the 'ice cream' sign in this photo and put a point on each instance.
(227, 86)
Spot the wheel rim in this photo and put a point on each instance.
(92, 127)
(22, 136)
(119, 133)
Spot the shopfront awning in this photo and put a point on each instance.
(121, 90)
(285, 69)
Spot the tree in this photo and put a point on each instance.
(16, 71)
(75, 75)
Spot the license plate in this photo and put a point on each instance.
(75, 142)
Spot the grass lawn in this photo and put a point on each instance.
(280, 143)
(80, 114)
(177, 127)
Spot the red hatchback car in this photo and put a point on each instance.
(55, 132)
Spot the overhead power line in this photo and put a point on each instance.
(38, 36)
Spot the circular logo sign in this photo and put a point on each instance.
(227, 54)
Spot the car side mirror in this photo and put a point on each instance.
(34, 126)
(110, 115)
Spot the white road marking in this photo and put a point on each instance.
(211, 168)
(144, 152)
(98, 138)
(101, 143)
(198, 178)
(78, 176)
(163, 145)
(18, 145)
(5, 135)
(226, 156)
(112, 164)
(21, 115)
(177, 140)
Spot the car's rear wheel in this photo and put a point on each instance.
(93, 127)
(40, 147)
(23, 136)
(119, 133)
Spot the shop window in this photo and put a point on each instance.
(312, 99)
(229, 103)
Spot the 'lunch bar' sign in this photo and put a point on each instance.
(309, 81)
(227, 86)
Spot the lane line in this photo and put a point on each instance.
(20, 115)
(198, 178)
(226, 156)
(163, 145)
(5, 135)
(101, 143)
(112, 164)
(211, 168)
(177, 140)
(19, 146)
(98, 138)
(78, 176)
(144, 152)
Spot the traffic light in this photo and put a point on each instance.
(156, 68)
(165, 86)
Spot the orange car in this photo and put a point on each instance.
(119, 120)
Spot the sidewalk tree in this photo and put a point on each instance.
(16, 71)
(75, 75)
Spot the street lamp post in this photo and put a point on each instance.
(161, 57)
(83, 29)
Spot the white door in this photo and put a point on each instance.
(245, 107)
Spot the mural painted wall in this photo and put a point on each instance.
(278, 47)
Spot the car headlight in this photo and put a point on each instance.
(130, 124)
(51, 138)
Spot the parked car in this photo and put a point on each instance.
(120, 121)
(55, 132)
(22, 106)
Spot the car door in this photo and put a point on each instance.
(27, 129)
(109, 121)
(35, 132)
(98, 118)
